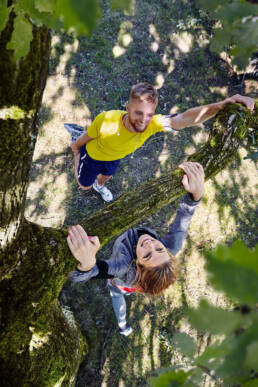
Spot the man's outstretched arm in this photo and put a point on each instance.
(203, 113)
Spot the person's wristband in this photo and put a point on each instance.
(196, 200)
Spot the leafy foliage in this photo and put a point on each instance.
(235, 270)
(78, 17)
(239, 28)
(45, 6)
(233, 357)
(169, 379)
(184, 344)
(215, 320)
(4, 14)
(122, 4)
(22, 27)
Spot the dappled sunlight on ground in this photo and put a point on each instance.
(183, 41)
(124, 38)
(61, 103)
(53, 194)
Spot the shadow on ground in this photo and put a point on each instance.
(164, 43)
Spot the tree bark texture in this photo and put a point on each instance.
(22, 85)
(40, 345)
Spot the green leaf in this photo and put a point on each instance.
(28, 6)
(240, 57)
(88, 12)
(234, 270)
(4, 14)
(126, 5)
(239, 254)
(234, 368)
(21, 37)
(213, 355)
(210, 5)
(214, 320)
(239, 28)
(170, 379)
(247, 33)
(195, 379)
(45, 5)
(185, 344)
(251, 383)
(251, 360)
(80, 15)
(236, 10)
(220, 40)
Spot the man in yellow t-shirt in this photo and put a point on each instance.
(115, 134)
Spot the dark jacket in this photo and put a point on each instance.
(121, 264)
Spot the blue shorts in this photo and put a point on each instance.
(89, 169)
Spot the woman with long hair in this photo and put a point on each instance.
(141, 261)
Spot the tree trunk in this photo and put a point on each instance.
(40, 346)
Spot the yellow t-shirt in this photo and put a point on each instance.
(112, 141)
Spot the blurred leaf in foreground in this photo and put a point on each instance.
(185, 344)
(234, 270)
(214, 320)
(22, 27)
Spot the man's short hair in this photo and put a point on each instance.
(144, 91)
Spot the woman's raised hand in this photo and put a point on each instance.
(83, 247)
(193, 180)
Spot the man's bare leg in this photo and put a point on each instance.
(76, 164)
(99, 186)
(102, 179)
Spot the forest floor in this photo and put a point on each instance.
(164, 43)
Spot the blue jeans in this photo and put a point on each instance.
(118, 302)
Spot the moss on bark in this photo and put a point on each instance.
(37, 344)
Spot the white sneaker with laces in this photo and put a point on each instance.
(105, 193)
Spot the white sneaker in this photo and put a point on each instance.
(103, 191)
(126, 331)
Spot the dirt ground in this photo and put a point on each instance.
(164, 43)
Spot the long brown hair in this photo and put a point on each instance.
(155, 280)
